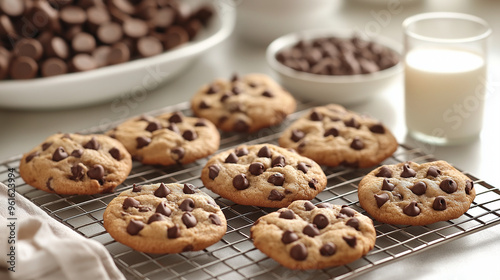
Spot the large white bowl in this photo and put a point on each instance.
(345, 89)
(104, 84)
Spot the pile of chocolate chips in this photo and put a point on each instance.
(338, 56)
(53, 37)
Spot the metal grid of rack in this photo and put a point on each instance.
(235, 257)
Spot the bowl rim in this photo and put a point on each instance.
(294, 37)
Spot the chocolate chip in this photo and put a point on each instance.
(187, 205)
(377, 128)
(264, 152)
(241, 126)
(59, 154)
(215, 219)
(189, 135)
(242, 152)
(439, 203)
(312, 183)
(173, 127)
(469, 185)
(407, 171)
(200, 122)
(311, 230)
(156, 217)
(325, 205)
(321, 221)
(332, 131)
(173, 232)
(77, 153)
(287, 214)
(46, 145)
(267, 93)
(276, 179)
(231, 158)
(236, 90)
(153, 126)
(162, 191)
(347, 211)
(234, 78)
(142, 141)
(353, 222)
(357, 144)
(309, 206)
(189, 220)
(49, 185)
(384, 171)
(130, 202)
(278, 161)
(289, 237)
(177, 153)
(411, 209)
(297, 135)
(225, 96)
(31, 156)
(176, 117)
(419, 188)
(92, 144)
(381, 199)
(144, 209)
(240, 182)
(352, 123)
(213, 171)
(212, 89)
(163, 209)
(448, 186)
(350, 240)
(299, 252)
(303, 167)
(204, 105)
(114, 152)
(275, 195)
(77, 172)
(328, 249)
(387, 186)
(96, 172)
(189, 189)
(134, 227)
(433, 172)
(136, 188)
(315, 116)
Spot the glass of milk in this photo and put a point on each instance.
(445, 76)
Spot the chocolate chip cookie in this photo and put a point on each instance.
(305, 236)
(76, 164)
(165, 218)
(244, 104)
(263, 175)
(416, 194)
(332, 135)
(167, 139)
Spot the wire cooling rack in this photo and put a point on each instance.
(235, 257)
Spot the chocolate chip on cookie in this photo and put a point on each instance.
(165, 218)
(76, 164)
(246, 104)
(167, 139)
(332, 135)
(263, 175)
(416, 194)
(304, 236)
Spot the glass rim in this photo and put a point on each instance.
(446, 15)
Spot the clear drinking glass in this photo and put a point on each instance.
(445, 76)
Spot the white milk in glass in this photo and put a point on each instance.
(444, 93)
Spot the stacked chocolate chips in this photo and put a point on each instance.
(338, 56)
(53, 37)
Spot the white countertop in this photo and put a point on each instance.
(475, 256)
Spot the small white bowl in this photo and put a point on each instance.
(340, 89)
(131, 78)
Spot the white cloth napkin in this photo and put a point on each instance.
(46, 249)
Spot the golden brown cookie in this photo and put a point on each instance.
(165, 218)
(263, 175)
(244, 104)
(332, 135)
(167, 139)
(76, 164)
(305, 236)
(416, 194)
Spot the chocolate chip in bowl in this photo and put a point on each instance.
(97, 50)
(334, 66)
